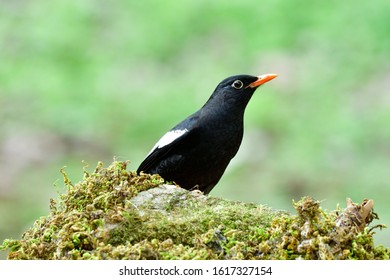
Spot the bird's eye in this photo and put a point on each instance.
(237, 84)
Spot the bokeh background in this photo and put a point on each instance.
(93, 80)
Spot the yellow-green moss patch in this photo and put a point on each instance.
(115, 214)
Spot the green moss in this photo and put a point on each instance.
(115, 214)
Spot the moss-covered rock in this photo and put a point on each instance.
(115, 214)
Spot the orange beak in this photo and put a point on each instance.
(262, 79)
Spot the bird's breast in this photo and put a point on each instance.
(220, 140)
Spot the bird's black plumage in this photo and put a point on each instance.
(196, 152)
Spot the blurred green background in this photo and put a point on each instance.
(94, 80)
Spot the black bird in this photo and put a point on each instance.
(195, 153)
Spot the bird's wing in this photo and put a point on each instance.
(169, 140)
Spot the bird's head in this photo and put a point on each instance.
(236, 91)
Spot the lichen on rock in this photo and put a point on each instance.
(114, 213)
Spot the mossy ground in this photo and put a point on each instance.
(116, 214)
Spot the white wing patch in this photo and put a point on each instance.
(168, 138)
